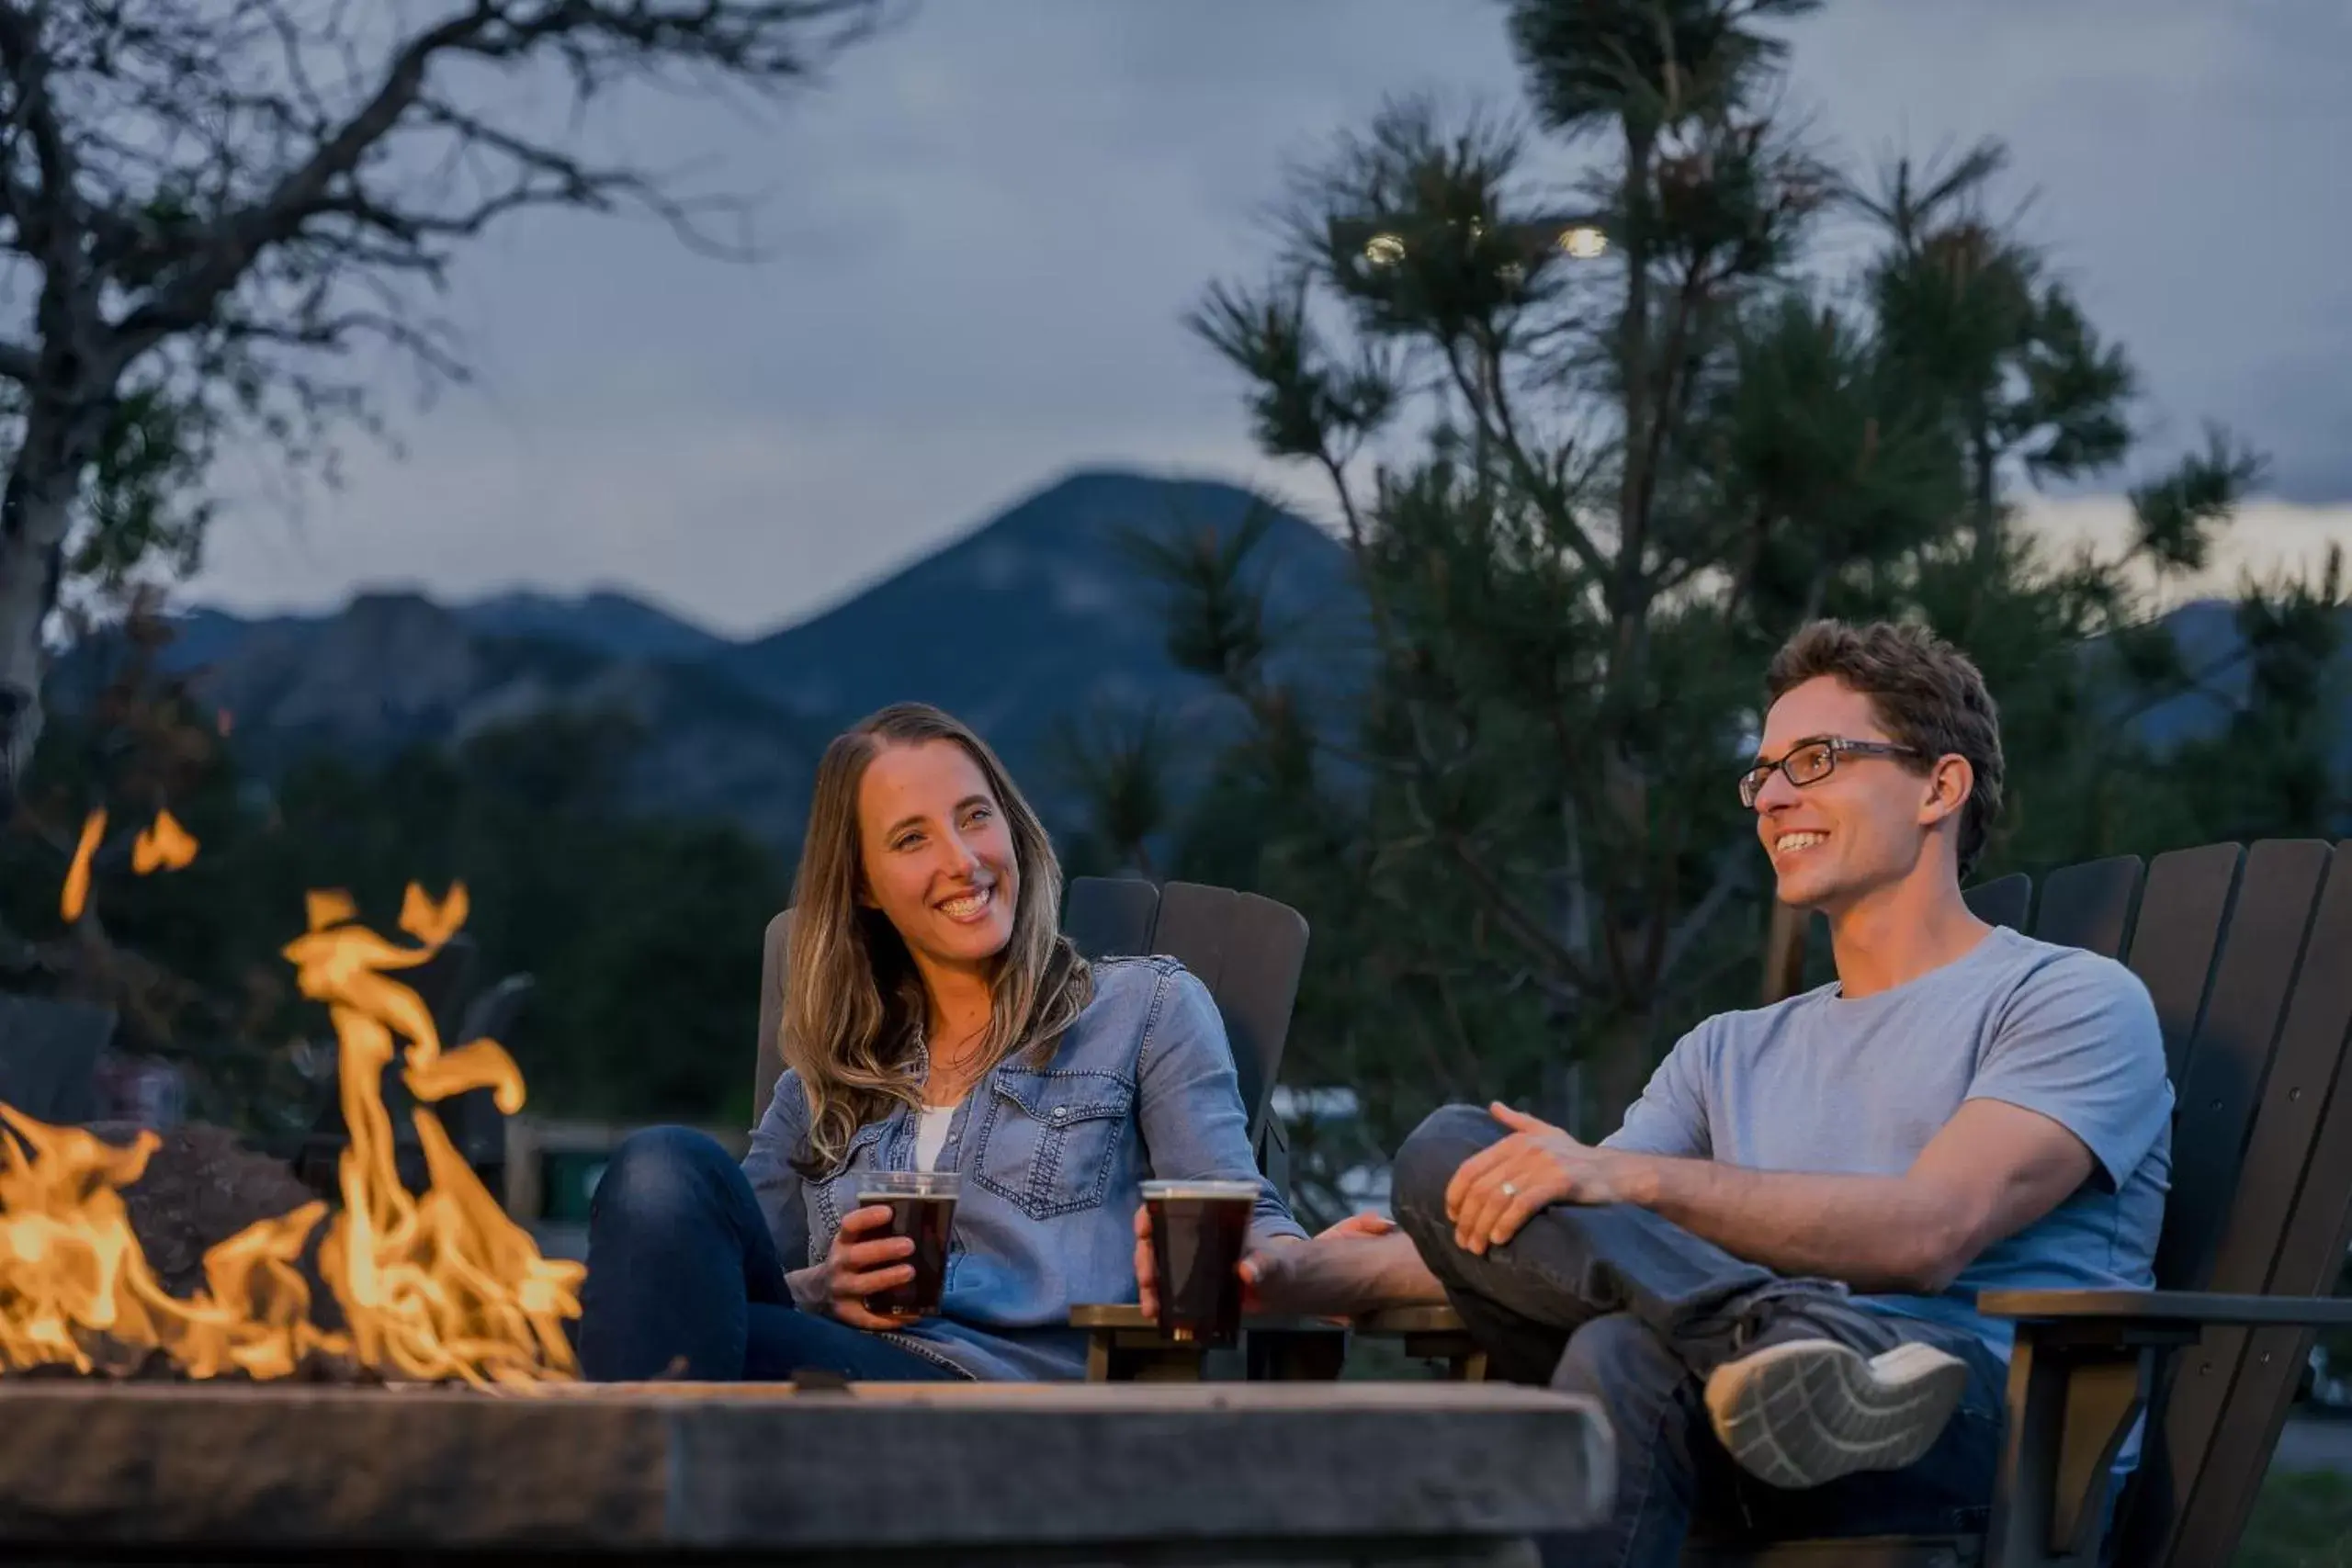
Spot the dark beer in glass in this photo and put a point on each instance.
(921, 1205)
(1198, 1230)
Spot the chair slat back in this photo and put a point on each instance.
(2090, 905)
(2262, 1191)
(473, 1118)
(2002, 901)
(49, 1057)
(1104, 915)
(775, 951)
(445, 983)
(2181, 912)
(1249, 951)
(2218, 1088)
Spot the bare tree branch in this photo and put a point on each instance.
(214, 200)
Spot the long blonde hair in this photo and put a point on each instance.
(854, 1007)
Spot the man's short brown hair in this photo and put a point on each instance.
(1926, 693)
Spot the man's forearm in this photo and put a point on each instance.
(1341, 1276)
(1873, 1232)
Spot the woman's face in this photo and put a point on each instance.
(937, 854)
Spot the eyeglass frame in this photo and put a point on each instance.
(1762, 772)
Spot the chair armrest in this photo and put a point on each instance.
(1397, 1322)
(1123, 1346)
(1126, 1317)
(2084, 1368)
(2182, 1309)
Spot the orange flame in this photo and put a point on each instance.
(77, 875)
(432, 924)
(440, 1286)
(167, 846)
(331, 907)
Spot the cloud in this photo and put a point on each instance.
(2269, 537)
(985, 226)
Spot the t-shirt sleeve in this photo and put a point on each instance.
(2079, 1043)
(1670, 1118)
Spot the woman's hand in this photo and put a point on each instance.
(854, 1270)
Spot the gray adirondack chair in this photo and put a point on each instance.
(2248, 956)
(49, 1057)
(445, 984)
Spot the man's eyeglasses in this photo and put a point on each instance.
(1810, 762)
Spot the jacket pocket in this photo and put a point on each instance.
(1047, 1140)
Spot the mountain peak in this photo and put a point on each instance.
(604, 619)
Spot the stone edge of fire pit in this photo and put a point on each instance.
(635, 1469)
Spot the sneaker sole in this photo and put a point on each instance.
(1807, 1411)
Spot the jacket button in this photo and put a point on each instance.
(1061, 1113)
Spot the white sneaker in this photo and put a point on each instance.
(1809, 1411)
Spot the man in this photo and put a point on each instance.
(1767, 1276)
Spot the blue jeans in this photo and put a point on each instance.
(1634, 1312)
(684, 1281)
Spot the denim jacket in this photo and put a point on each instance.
(1140, 1085)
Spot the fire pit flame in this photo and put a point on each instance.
(438, 1287)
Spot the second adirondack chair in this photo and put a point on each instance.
(2248, 957)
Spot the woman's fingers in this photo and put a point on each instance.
(850, 1291)
(873, 1254)
(859, 1283)
(854, 1313)
(857, 1222)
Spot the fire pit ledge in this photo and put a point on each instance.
(1428, 1473)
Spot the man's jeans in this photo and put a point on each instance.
(1634, 1312)
(684, 1281)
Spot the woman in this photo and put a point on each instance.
(934, 1018)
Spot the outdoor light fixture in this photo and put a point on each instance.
(1584, 242)
(1381, 239)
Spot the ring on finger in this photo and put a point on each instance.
(1510, 1189)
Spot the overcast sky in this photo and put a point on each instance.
(986, 225)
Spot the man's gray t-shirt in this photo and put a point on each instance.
(1858, 1085)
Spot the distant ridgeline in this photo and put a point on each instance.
(1042, 616)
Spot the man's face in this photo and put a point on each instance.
(1865, 825)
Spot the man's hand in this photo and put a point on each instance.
(1498, 1188)
(1362, 1262)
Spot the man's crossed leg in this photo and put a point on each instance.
(1742, 1403)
